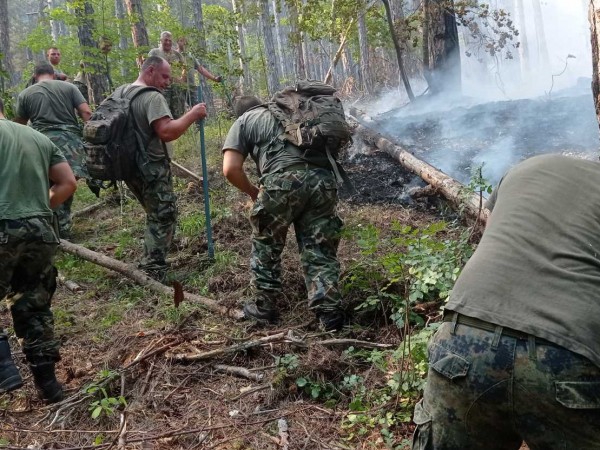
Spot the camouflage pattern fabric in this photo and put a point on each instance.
(154, 190)
(175, 95)
(71, 146)
(490, 391)
(28, 281)
(307, 199)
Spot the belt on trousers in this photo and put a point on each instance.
(483, 325)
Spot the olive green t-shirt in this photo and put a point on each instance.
(255, 133)
(537, 267)
(145, 109)
(50, 105)
(25, 157)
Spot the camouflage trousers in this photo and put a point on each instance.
(71, 146)
(28, 281)
(175, 95)
(154, 190)
(489, 391)
(307, 199)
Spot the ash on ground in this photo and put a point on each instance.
(495, 135)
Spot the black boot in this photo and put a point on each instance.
(45, 381)
(10, 378)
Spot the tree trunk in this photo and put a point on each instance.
(594, 17)
(523, 44)
(54, 25)
(139, 34)
(142, 279)
(123, 44)
(270, 53)
(207, 94)
(245, 68)
(441, 53)
(6, 60)
(365, 72)
(95, 71)
(398, 49)
(279, 39)
(299, 61)
(538, 21)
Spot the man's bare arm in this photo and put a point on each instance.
(168, 129)
(84, 112)
(233, 169)
(64, 183)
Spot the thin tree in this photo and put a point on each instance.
(6, 67)
(123, 44)
(594, 17)
(398, 48)
(523, 43)
(207, 94)
(95, 75)
(139, 33)
(365, 72)
(244, 66)
(270, 53)
(538, 21)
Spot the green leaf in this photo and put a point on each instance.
(97, 411)
(301, 382)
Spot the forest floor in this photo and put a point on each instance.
(126, 387)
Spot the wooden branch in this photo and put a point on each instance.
(353, 343)
(70, 285)
(183, 172)
(239, 371)
(89, 209)
(338, 54)
(243, 346)
(144, 280)
(450, 188)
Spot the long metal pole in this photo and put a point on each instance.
(209, 240)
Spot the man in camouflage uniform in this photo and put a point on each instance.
(191, 66)
(50, 105)
(294, 189)
(153, 184)
(517, 357)
(175, 93)
(28, 243)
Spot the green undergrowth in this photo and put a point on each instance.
(396, 278)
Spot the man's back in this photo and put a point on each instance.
(537, 268)
(50, 105)
(25, 157)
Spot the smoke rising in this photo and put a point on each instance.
(538, 102)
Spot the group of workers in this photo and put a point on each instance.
(517, 355)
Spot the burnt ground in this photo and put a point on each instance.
(121, 339)
(495, 134)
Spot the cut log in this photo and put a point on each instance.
(456, 192)
(144, 280)
(89, 209)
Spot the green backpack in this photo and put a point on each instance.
(312, 117)
(110, 140)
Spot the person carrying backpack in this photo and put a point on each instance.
(297, 186)
(151, 181)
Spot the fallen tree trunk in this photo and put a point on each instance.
(144, 280)
(456, 193)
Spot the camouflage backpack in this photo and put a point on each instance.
(313, 118)
(110, 140)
